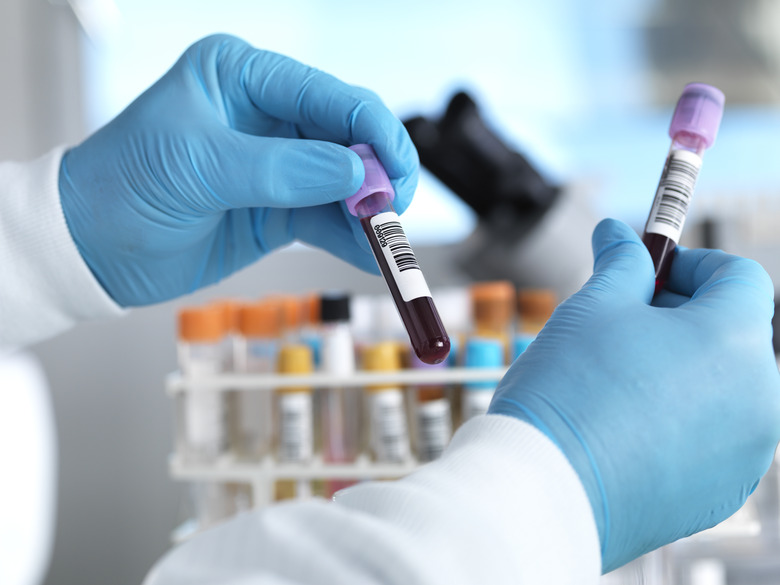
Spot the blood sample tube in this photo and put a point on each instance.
(257, 348)
(373, 205)
(340, 405)
(295, 417)
(481, 352)
(203, 435)
(693, 129)
(387, 426)
(432, 415)
(493, 311)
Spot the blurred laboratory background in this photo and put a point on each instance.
(575, 96)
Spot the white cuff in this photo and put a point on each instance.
(46, 286)
(503, 504)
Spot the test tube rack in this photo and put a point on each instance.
(261, 475)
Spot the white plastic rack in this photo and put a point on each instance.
(263, 474)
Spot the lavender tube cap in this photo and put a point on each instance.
(376, 180)
(698, 112)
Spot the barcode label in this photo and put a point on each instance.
(673, 197)
(434, 428)
(399, 256)
(390, 436)
(295, 432)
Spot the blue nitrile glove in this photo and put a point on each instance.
(669, 414)
(233, 153)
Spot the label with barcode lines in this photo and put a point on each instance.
(434, 422)
(388, 426)
(295, 432)
(399, 256)
(675, 190)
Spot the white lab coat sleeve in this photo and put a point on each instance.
(46, 286)
(502, 506)
(28, 454)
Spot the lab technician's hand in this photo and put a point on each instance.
(233, 153)
(669, 411)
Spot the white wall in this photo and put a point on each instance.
(40, 68)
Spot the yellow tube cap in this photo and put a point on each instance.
(295, 359)
(382, 357)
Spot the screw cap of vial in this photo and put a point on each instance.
(483, 353)
(698, 112)
(201, 324)
(260, 319)
(382, 357)
(229, 310)
(334, 307)
(535, 306)
(376, 180)
(295, 359)
(493, 302)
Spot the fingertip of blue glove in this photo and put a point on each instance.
(621, 262)
(613, 238)
(610, 230)
(356, 169)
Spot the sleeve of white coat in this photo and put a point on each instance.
(502, 506)
(46, 286)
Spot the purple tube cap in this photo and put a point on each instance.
(376, 180)
(698, 112)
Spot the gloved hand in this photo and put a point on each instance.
(233, 153)
(668, 411)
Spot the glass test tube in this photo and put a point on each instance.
(373, 205)
(295, 433)
(388, 434)
(693, 129)
(203, 435)
(493, 311)
(432, 415)
(481, 352)
(339, 405)
(295, 408)
(229, 310)
(257, 347)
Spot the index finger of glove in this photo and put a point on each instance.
(721, 280)
(288, 90)
(622, 266)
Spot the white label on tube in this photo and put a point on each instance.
(205, 422)
(295, 433)
(434, 424)
(476, 402)
(673, 197)
(399, 256)
(390, 437)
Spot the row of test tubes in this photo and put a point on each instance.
(489, 323)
